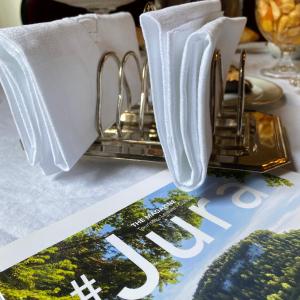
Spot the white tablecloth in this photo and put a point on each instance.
(29, 200)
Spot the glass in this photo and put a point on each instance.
(279, 22)
(165, 3)
(231, 8)
(295, 81)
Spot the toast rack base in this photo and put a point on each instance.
(265, 148)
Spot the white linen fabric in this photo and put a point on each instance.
(180, 42)
(48, 72)
(30, 201)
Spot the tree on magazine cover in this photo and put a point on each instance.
(48, 274)
(265, 265)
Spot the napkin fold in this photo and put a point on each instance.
(180, 42)
(48, 72)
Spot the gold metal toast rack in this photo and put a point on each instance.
(242, 140)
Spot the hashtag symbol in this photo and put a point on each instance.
(88, 285)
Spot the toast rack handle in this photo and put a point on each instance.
(107, 56)
(144, 97)
(241, 94)
(217, 90)
(124, 83)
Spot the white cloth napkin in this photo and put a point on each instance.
(48, 72)
(180, 42)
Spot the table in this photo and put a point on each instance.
(29, 200)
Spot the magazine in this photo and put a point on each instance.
(237, 237)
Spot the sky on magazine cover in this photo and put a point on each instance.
(279, 212)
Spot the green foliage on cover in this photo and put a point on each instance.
(274, 181)
(265, 265)
(47, 275)
(240, 176)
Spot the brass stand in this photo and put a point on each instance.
(242, 140)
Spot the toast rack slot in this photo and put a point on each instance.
(242, 140)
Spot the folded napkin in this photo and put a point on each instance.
(180, 42)
(2, 96)
(48, 72)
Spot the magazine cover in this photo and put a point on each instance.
(238, 237)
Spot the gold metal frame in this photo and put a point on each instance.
(242, 140)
